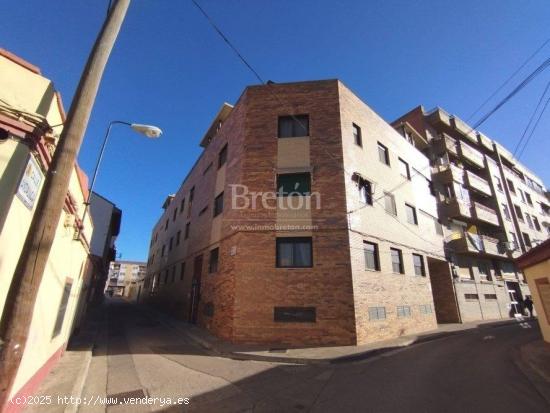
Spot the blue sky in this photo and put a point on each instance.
(171, 69)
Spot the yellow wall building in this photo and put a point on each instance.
(29, 105)
(536, 268)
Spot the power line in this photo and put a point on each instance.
(508, 80)
(531, 119)
(518, 88)
(534, 128)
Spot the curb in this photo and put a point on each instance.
(80, 381)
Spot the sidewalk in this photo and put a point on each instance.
(316, 355)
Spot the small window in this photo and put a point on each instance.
(182, 205)
(166, 273)
(506, 212)
(377, 313)
(383, 154)
(519, 214)
(521, 195)
(222, 156)
(529, 220)
(365, 191)
(490, 297)
(397, 260)
(218, 205)
(163, 250)
(484, 271)
(389, 203)
(403, 311)
(498, 183)
(372, 259)
(295, 314)
(529, 200)
(213, 262)
(526, 239)
(182, 271)
(536, 223)
(418, 262)
(202, 211)
(294, 252)
(187, 230)
(513, 237)
(511, 186)
(293, 126)
(411, 214)
(293, 184)
(207, 168)
(175, 213)
(173, 273)
(171, 243)
(357, 138)
(471, 297)
(166, 225)
(404, 169)
(178, 237)
(425, 308)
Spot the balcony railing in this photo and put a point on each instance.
(483, 213)
(493, 246)
(438, 116)
(464, 129)
(449, 173)
(455, 208)
(481, 244)
(485, 141)
(477, 183)
(472, 155)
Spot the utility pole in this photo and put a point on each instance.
(23, 290)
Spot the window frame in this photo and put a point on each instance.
(214, 260)
(409, 207)
(293, 241)
(386, 153)
(217, 208)
(294, 192)
(222, 156)
(402, 162)
(422, 265)
(392, 197)
(295, 120)
(357, 135)
(401, 268)
(376, 255)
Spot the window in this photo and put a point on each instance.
(222, 156)
(175, 213)
(187, 229)
(521, 195)
(536, 223)
(218, 205)
(213, 262)
(389, 203)
(293, 126)
(166, 277)
(484, 271)
(202, 211)
(365, 190)
(383, 154)
(411, 214)
(529, 200)
(397, 260)
(357, 138)
(294, 252)
(490, 297)
(425, 308)
(294, 184)
(418, 262)
(498, 183)
(506, 212)
(511, 186)
(526, 239)
(404, 169)
(518, 212)
(62, 309)
(372, 259)
(207, 168)
(471, 297)
(377, 313)
(166, 225)
(191, 197)
(514, 238)
(295, 314)
(182, 205)
(163, 250)
(403, 311)
(171, 243)
(182, 271)
(529, 221)
(178, 237)
(173, 273)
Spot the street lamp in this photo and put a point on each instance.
(152, 132)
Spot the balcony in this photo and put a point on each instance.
(455, 208)
(477, 184)
(485, 214)
(477, 244)
(471, 155)
(464, 129)
(446, 174)
(439, 116)
(485, 141)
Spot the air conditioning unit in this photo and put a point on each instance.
(69, 221)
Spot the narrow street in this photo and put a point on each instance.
(138, 354)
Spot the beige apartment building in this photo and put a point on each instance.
(29, 109)
(493, 209)
(306, 220)
(125, 279)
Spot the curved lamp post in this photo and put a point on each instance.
(149, 131)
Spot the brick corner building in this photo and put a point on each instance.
(307, 220)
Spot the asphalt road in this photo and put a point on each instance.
(475, 371)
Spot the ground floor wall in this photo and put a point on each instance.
(538, 277)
